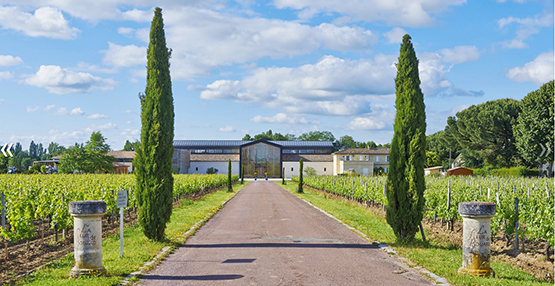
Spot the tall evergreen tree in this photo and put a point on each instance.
(405, 180)
(154, 158)
(300, 188)
(229, 185)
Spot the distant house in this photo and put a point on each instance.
(360, 161)
(459, 171)
(122, 165)
(434, 170)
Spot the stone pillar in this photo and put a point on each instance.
(476, 238)
(87, 237)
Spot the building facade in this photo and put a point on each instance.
(273, 159)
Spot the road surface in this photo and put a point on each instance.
(267, 236)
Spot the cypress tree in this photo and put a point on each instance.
(300, 189)
(283, 176)
(405, 180)
(154, 156)
(242, 175)
(229, 187)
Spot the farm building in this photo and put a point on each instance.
(459, 171)
(275, 158)
(434, 170)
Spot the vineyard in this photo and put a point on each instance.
(525, 206)
(29, 199)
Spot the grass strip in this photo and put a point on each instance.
(137, 248)
(435, 255)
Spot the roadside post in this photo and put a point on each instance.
(476, 238)
(123, 199)
(87, 237)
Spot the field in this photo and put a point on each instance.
(37, 217)
(535, 214)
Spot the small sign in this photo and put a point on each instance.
(122, 199)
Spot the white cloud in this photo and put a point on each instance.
(526, 28)
(31, 109)
(131, 132)
(415, 13)
(61, 81)
(97, 116)
(64, 111)
(365, 123)
(334, 86)
(76, 111)
(280, 118)
(6, 75)
(125, 31)
(94, 68)
(61, 111)
(248, 39)
(538, 71)
(45, 22)
(94, 127)
(458, 108)
(124, 56)
(395, 36)
(460, 54)
(10, 60)
(227, 129)
(51, 106)
(380, 117)
(2, 101)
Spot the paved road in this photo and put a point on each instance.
(267, 236)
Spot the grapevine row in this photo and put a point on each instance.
(30, 198)
(536, 199)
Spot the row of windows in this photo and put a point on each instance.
(306, 151)
(285, 151)
(376, 159)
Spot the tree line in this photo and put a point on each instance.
(500, 133)
(338, 144)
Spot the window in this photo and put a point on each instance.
(361, 158)
(291, 169)
(385, 170)
(309, 151)
(324, 169)
(197, 169)
(387, 159)
(322, 151)
(377, 159)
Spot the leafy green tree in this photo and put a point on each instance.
(270, 136)
(154, 157)
(89, 158)
(211, 170)
(128, 146)
(300, 187)
(55, 149)
(535, 125)
(309, 171)
(317, 136)
(3, 164)
(432, 159)
(405, 180)
(345, 142)
(485, 133)
(247, 137)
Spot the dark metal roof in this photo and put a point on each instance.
(238, 143)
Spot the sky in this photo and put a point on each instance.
(70, 68)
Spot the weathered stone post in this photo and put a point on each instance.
(87, 237)
(476, 237)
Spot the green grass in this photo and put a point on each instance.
(137, 248)
(437, 256)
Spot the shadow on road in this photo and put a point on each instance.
(198, 278)
(280, 245)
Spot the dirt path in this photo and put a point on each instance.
(267, 236)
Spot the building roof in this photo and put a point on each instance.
(239, 143)
(363, 151)
(434, 168)
(122, 154)
(116, 154)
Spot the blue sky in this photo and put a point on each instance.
(68, 68)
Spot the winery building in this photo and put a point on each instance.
(274, 158)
